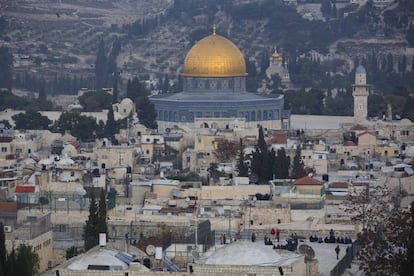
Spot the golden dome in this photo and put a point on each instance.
(276, 56)
(214, 56)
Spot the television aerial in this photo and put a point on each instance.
(307, 251)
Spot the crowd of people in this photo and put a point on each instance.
(330, 239)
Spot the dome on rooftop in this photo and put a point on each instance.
(250, 253)
(214, 56)
(360, 70)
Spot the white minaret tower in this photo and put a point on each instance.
(360, 91)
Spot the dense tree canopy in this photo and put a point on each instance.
(386, 230)
(226, 151)
(145, 109)
(80, 126)
(95, 100)
(262, 162)
(31, 120)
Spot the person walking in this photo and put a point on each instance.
(277, 234)
(337, 250)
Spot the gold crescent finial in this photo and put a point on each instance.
(214, 29)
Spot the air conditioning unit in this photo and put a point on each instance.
(7, 228)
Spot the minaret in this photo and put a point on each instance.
(360, 91)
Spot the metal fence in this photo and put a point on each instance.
(307, 205)
(346, 261)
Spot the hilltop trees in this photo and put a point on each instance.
(95, 100)
(145, 109)
(80, 126)
(31, 120)
(105, 65)
(410, 35)
(6, 66)
(101, 66)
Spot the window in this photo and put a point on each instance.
(46, 243)
(3, 149)
(72, 173)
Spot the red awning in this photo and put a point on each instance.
(25, 189)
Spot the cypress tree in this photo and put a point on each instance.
(282, 165)
(101, 66)
(110, 127)
(390, 63)
(115, 92)
(146, 113)
(27, 261)
(102, 226)
(412, 65)
(262, 160)
(298, 169)
(3, 253)
(90, 233)
(11, 264)
(242, 168)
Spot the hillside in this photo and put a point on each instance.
(57, 40)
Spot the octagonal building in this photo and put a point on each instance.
(214, 89)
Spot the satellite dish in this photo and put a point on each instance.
(150, 249)
(307, 251)
(187, 199)
(195, 254)
(81, 191)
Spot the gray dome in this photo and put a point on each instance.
(249, 253)
(360, 70)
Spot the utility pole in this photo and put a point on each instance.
(230, 224)
(196, 221)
